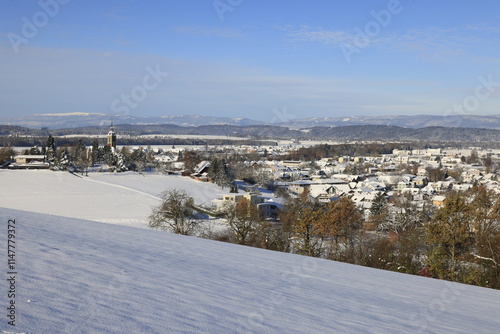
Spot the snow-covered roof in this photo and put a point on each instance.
(27, 156)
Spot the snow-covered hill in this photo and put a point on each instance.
(77, 276)
(121, 198)
(83, 276)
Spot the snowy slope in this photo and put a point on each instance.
(121, 198)
(202, 192)
(79, 276)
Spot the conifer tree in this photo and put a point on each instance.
(449, 235)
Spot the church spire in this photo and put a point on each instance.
(112, 136)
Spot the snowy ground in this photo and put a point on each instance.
(83, 276)
(121, 198)
(78, 276)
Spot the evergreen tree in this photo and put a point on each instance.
(34, 150)
(449, 235)
(108, 156)
(379, 210)
(51, 149)
(80, 157)
(95, 152)
(218, 171)
(485, 222)
(6, 154)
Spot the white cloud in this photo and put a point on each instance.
(332, 37)
(483, 27)
(429, 44)
(210, 31)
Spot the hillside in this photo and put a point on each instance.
(80, 276)
(130, 134)
(121, 198)
(70, 120)
(293, 121)
(409, 121)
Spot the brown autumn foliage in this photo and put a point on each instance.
(243, 219)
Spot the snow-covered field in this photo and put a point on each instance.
(122, 198)
(78, 276)
(82, 276)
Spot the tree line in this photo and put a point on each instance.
(458, 241)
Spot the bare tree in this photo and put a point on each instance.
(243, 219)
(175, 213)
(340, 223)
(405, 214)
(299, 217)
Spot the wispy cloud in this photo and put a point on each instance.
(483, 27)
(428, 44)
(310, 34)
(210, 31)
(446, 44)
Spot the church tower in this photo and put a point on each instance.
(112, 137)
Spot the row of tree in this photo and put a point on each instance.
(80, 157)
(459, 241)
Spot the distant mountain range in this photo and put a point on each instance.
(420, 128)
(73, 120)
(130, 134)
(407, 121)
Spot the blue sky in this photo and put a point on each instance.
(260, 59)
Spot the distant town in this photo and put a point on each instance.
(411, 207)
